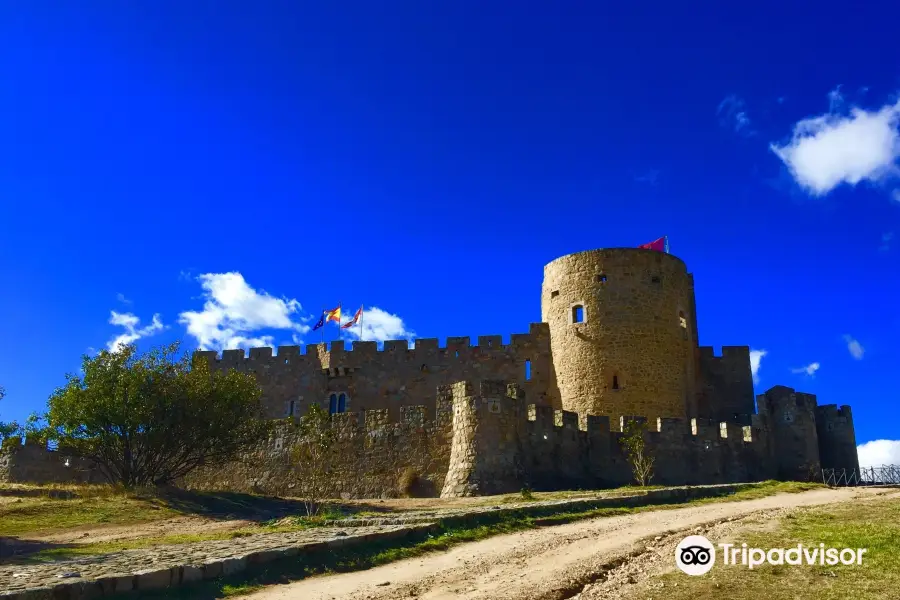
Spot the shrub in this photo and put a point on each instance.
(407, 483)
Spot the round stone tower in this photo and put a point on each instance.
(622, 332)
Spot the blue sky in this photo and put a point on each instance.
(219, 172)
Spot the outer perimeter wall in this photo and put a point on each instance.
(634, 350)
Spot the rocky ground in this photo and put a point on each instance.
(154, 560)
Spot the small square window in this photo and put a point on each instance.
(655, 279)
(554, 293)
(601, 278)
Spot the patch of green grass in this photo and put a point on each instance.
(871, 524)
(766, 488)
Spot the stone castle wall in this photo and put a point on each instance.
(32, 462)
(634, 352)
(486, 438)
(393, 377)
(501, 444)
(367, 459)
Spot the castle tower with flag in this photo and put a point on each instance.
(618, 340)
(618, 343)
(623, 333)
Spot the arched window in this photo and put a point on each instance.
(578, 313)
(337, 403)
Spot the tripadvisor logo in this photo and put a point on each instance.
(696, 555)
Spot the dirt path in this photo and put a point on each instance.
(549, 563)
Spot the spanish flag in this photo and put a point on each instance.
(333, 315)
(354, 320)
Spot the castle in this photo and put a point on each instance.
(618, 342)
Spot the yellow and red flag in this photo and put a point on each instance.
(354, 320)
(333, 315)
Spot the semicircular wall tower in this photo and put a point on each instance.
(622, 332)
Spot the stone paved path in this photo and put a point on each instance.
(118, 564)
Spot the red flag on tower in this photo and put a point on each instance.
(660, 245)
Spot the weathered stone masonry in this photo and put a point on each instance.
(619, 340)
(393, 377)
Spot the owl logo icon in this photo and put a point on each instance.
(695, 555)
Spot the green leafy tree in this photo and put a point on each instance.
(639, 456)
(150, 419)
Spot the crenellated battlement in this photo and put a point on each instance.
(832, 411)
(782, 398)
(728, 352)
(423, 347)
(618, 343)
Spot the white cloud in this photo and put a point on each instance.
(121, 298)
(379, 325)
(755, 357)
(809, 369)
(233, 311)
(831, 149)
(879, 452)
(855, 348)
(733, 115)
(132, 333)
(835, 100)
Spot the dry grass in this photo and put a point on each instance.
(873, 524)
(35, 510)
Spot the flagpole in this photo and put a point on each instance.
(360, 321)
(339, 320)
(323, 324)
